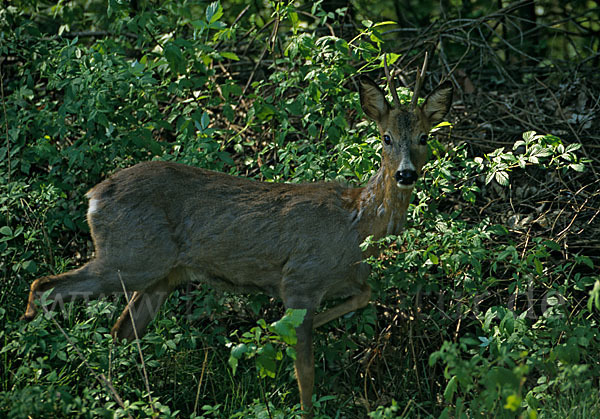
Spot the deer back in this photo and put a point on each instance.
(232, 232)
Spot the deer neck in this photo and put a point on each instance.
(379, 208)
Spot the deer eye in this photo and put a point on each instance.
(387, 140)
(423, 139)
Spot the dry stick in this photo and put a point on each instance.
(137, 341)
(200, 381)
(411, 341)
(82, 34)
(447, 64)
(156, 41)
(366, 380)
(265, 26)
(262, 55)
(237, 19)
(564, 231)
(331, 31)
(406, 408)
(100, 377)
(416, 40)
(5, 122)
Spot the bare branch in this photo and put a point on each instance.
(391, 84)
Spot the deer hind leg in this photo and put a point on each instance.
(141, 309)
(351, 304)
(85, 282)
(93, 280)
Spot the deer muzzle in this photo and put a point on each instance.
(406, 178)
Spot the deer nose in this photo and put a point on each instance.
(406, 177)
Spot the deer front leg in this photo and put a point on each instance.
(141, 309)
(351, 304)
(305, 365)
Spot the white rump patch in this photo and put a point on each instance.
(92, 206)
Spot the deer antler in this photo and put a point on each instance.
(391, 84)
(419, 81)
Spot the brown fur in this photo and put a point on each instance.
(158, 224)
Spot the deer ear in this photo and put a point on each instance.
(372, 99)
(438, 103)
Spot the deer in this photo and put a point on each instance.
(158, 224)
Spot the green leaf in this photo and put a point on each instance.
(507, 324)
(503, 377)
(291, 352)
(442, 124)
(294, 20)
(6, 230)
(451, 389)
(538, 266)
(552, 245)
(594, 297)
(387, 22)
(490, 315)
(266, 360)
(226, 157)
(214, 11)
(578, 167)
(237, 352)
(528, 136)
(174, 57)
(286, 326)
(204, 120)
(502, 178)
(513, 402)
(585, 260)
(230, 56)
(433, 258)
(296, 316)
(30, 266)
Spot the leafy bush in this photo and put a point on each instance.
(477, 314)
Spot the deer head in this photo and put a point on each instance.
(404, 129)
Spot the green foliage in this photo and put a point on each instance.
(527, 345)
(544, 150)
(261, 343)
(510, 327)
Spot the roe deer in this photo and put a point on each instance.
(157, 225)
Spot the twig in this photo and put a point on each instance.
(331, 31)
(237, 19)
(567, 122)
(100, 377)
(137, 341)
(5, 124)
(200, 381)
(270, 42)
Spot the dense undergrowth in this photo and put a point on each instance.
(486, 305)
